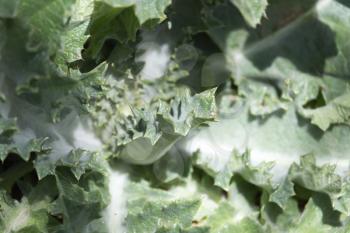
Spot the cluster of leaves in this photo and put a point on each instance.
(246, 129)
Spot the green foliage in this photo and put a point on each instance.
(183, 116)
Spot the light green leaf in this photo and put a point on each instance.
(222, 168)
(38, 14)
(311, 220)
(336, 112)
(283, 193)
(222, 216)
(252, 10)
(311, 176)
(23, 216)
(246, 225)
(156, 215)
(74, 36)
(121, 19)
(80, 202)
